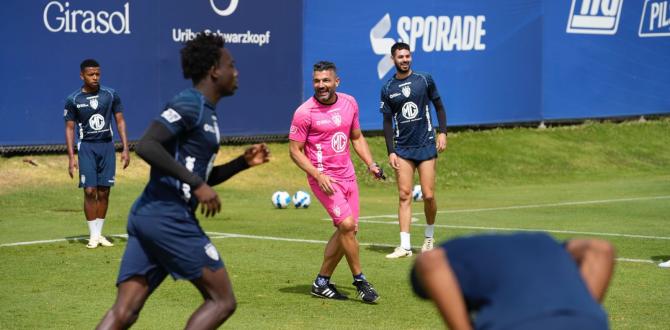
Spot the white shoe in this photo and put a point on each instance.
(399, 253)
(427, 244)
(664, 264)
(93, 243)
(104, 242)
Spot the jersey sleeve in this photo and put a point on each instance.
(180, 117)
(384, 106)
(355, 122)
(433, 94)
(300, 125)
(117, 106)
(70, 111)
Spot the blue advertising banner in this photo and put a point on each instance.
(137, 44)
(606, 58)
(485, 56)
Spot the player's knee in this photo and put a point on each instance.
(91, 192)
(404, 196)
(103, 193)
(428, 198)
(225, 307)
(125, 315)
(347, 226)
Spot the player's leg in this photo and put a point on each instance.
(405, 179)
(106, 158)
(332, 255)
(88, 180)
(131, 296)
(426, 171)
(219, 304)
(347, 237)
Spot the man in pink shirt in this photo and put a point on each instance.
(319, 144)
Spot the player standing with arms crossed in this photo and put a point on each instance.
(410, 141)
(91, 107)
(319, 144)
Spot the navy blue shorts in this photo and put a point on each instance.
(417, 154)
(97, 164)
(158, 246)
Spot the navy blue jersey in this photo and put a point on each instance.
(512, 279)
(92, 112)
(408, 100)
(193, 122)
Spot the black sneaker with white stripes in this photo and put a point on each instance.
(365, 290)
(327, 291)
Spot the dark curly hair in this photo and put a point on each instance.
(399, 46)
(88, 63)
(199, 55)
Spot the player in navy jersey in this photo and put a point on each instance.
(520, 281)
(91, 108)
(411, 142)
(164, 236)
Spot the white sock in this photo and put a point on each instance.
(404, 241)
(430, 231)
(93, 228)
(101, 222)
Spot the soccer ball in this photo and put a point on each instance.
(281, 199)
(301, 200)
(417, 195)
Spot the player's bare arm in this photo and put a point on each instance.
(595, 259)
(121, 127)
(439, 282)
(363, 150)
(69, 141)
(297, 153)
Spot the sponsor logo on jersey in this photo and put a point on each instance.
(406, 91)
(94, 103)
(337, 119)
(427, 34)
(394, 95)
(339, 142)
(410, 110)
(171, 115)
(96, 122)
(655, 20)
(82, 105)
(227, 11)
(211, 252)
(293, 129)
(594, 16)
(59, 17)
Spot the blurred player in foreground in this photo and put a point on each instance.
(320, 133)
(520, 281)
(164, 236)
(91, 108)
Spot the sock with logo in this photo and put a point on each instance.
(404, 241)
(322, 280)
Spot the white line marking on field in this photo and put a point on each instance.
(556, 231)
(219, 235)
(530, 206)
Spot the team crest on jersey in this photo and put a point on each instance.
(336, 210)
(97, 121)
(406, 91)
(410, 110)
(93, 103)
(339, 142)
(337, 119)
(211, 251)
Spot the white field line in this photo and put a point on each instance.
(556, 231)
(530, 206)
(219, 235)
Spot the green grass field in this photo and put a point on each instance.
(604, 180)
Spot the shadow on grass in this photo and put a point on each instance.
(305, 290)
(84, 239)
(382, 249)
(661, 258)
